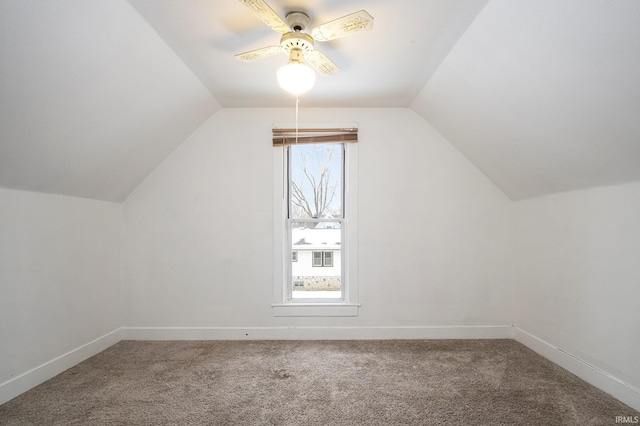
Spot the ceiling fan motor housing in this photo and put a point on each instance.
(296, 41)
(298, 44)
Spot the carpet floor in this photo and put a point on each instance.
(392, 382)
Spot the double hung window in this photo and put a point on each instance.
(317, 257)
(315, 221)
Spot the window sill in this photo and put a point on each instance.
(315, 309)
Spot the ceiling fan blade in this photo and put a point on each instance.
(358, 21)
(252, 55)
(321, 63)
(266, 14)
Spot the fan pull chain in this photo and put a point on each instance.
(284, 172)
(297, 102)
(284, 160)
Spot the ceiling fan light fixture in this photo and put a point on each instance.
(296, 77)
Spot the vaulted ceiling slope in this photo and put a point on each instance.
(544, 95)
(91, 99)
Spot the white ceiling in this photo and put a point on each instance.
(385, 67)
(542, 95)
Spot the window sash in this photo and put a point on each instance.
(288, 178)
(316, 262)
(327, 258)
(317, 259)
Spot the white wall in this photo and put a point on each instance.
(197, 242)
(577, 283)
(435, 235)
(59, 278)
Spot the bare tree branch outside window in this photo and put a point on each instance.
(315, 181)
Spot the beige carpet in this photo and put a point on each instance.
(432, 382)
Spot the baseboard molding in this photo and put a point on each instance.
(316, 333)
(620, 390)
(40, 374)
(591, 374)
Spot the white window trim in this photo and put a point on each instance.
(349, 307)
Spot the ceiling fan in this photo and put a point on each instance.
(298, 44)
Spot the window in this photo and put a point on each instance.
(317, 258)
(315, 206)
(323, 258)
(316, 273)
(327, 259)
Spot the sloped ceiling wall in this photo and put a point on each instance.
(91, 99)
(544, 96)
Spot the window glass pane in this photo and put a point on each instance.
(315, 189)
(328, 258)
(317, 273)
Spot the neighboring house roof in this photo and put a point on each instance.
(316, 238)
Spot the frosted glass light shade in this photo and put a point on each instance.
(296, 78)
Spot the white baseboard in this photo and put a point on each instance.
(620, 390)
(40, 374)
(316, 333)
(591, 374)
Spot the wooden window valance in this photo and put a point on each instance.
(284, 137)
